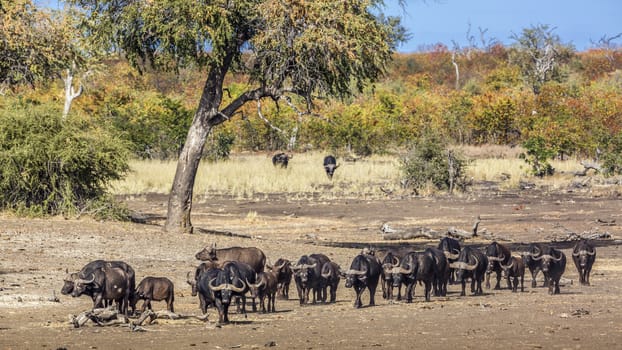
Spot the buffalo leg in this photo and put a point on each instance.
(534, 274)
(498, 285)
(358, 290)
(428, 288)
(372, 293)
(463, 288)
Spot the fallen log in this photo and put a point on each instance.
(572, 236)
(110, 316)
(587, 166)
(101, 316)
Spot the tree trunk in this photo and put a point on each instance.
(180, 199)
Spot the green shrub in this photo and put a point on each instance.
(538, 155)
(219, 147)
(612, 156)
(430, 161)
(50, 166)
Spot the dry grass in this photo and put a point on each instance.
(254, 176)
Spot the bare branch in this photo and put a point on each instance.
(260, 114)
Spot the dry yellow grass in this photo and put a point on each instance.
(254, 176)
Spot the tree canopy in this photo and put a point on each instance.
(308, 49)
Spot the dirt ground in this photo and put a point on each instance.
(34, 254)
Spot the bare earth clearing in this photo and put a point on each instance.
(35, 253)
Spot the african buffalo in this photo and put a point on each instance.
(248, 255)
(389, 258)
(584, 255)
(330, 165)
(513, 270)
(330, 274)
(157, 289)
(106, 283)
(535, 265)
(231, 282)
(497, 254)
(364, 273)
(266, 286)
(281, 159)
(553, 265)
(441, 271)
(415, 267)
(200, 286)
(451, 248)
(308, 277)
(87, 270)
(471, 263)
(283, 269)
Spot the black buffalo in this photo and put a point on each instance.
(265, 287)
(415, 267)
(157, 289)
(85, 273)
(451, 248)
(308, 277)
(553, 265)
(231, 282)
(108, 282)
(472, 264)
(530, 257)
(497, 254)
(200, 285)
(441, 271)
(514, 270)
(584, 255)
(330, 165)
(364, 273)
(389, 258)
(330, 274)
(281, 159)
(283, 269)
(252, 256)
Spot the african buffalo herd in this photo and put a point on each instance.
(232, 274)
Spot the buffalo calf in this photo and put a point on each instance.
(514, 270)
(157, 289)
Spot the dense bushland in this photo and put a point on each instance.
(492, 105)
(49, 165)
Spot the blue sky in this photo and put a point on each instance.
(575, 21)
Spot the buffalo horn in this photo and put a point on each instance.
(582, 252)
(405, 271)
(238, 289)
(505, 267)
(356, 272)
(216, 288)
(474, 266)
(80, 280)
(450, 255)
(257, 285)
